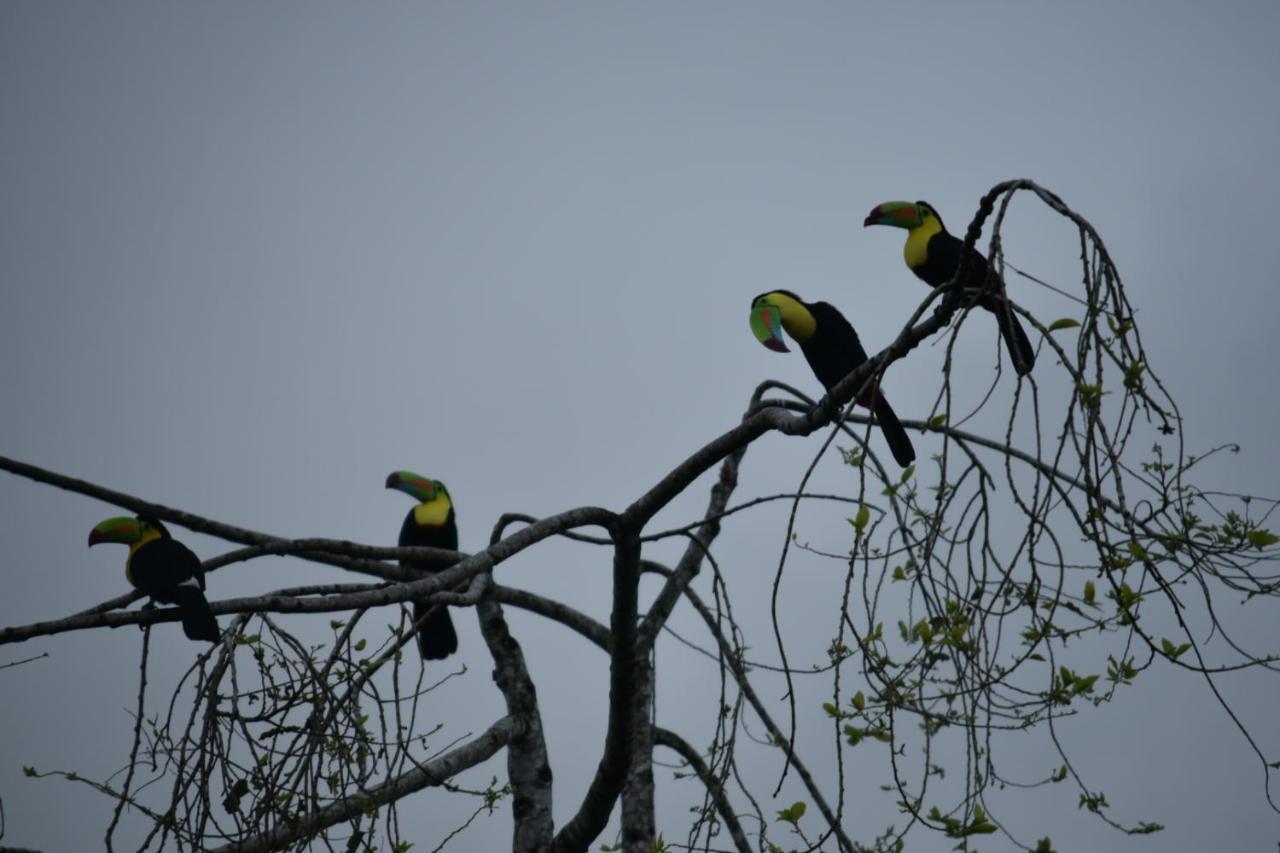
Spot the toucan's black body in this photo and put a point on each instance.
(834, 351)
(170, 573)
(942, 259)
(436, 638)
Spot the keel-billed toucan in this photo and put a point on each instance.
(831, 347)
(430, 524)
(933, 255)
(163, 568)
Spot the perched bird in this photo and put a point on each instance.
(933, 254)
(163, 568)
(833, 350)
(430, 523)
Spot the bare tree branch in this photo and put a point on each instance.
(528, 768)
(728, 817)
(433, 773)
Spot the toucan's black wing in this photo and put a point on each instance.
(834, 352)
(170, 573)
(160, 565)
(943, 258)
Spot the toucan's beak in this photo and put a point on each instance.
(122, 529)
(766, 323)
(900, 214)
(414, 485)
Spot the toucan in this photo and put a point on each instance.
(163, 568)
(431, 523)
(933, 254)
(831, 347)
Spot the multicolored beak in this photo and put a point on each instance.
(123, 529)
(415, 485)
(900, 214)
(766, 323)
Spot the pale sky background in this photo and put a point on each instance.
(253, 257)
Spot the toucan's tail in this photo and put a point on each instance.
(197, 619)
(436, 638)
(903, 453)
(1015, 337)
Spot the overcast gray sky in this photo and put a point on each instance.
(253, 257)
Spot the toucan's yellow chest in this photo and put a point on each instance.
(433, 513)
(916, 250)
(148, 536)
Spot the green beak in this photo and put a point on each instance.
(123, 529)
(766, 323)
(900, 214)
(415, 485)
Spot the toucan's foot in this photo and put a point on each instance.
(953, 299)
(148, 605)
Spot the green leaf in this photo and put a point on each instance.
(1064, 323)
(1090, 395)
(1044, 845)
(906, 473)
(1090, 592)
(860, 521)
(792, 813)
(1133, 375)
(938, 420)
(1171, 651)
(1262, 538)
(359, 646)
(28, 770)
(859, 701)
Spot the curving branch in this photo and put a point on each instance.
(433, 773)
(728, 817)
